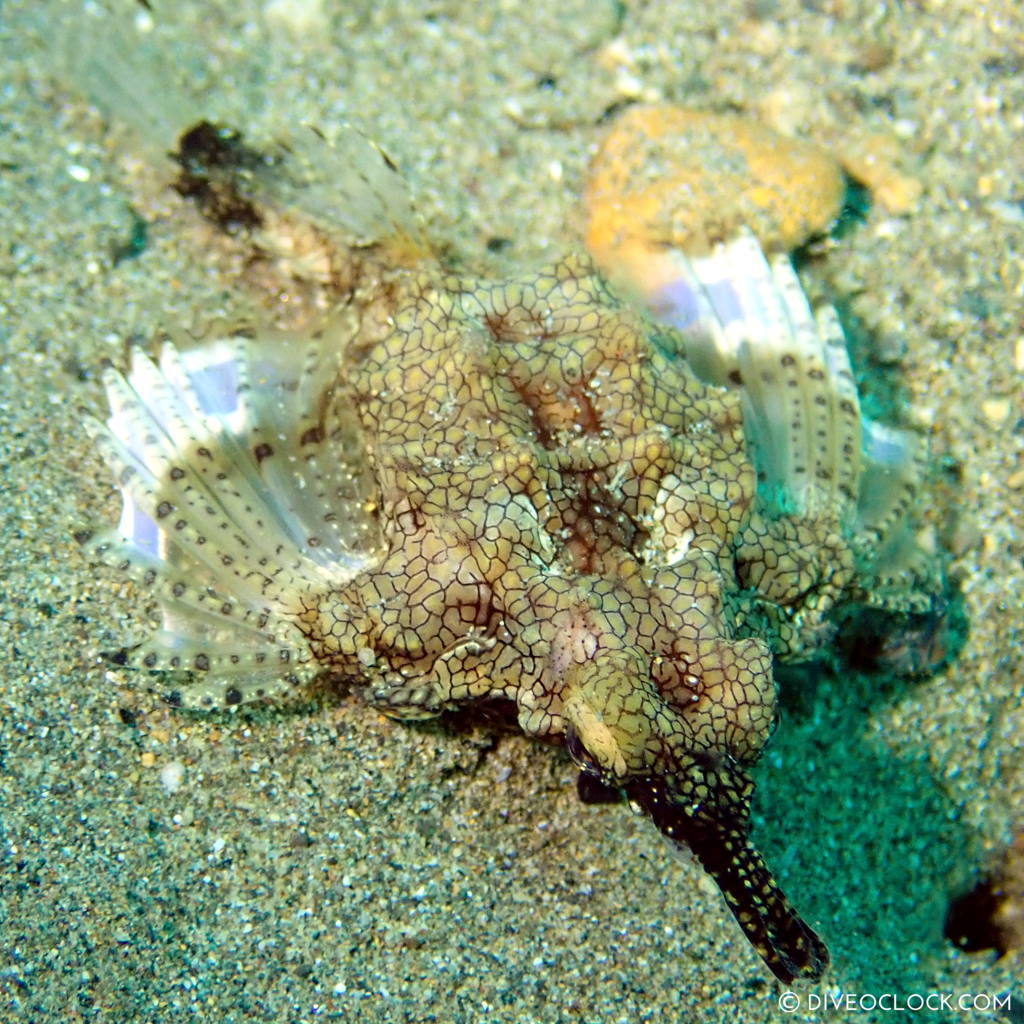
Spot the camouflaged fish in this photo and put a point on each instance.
(456, 489)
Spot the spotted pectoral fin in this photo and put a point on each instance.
(746, 323)
(245, 495)
(343, 188)
(716, 831)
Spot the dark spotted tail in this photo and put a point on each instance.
(789, 948)
(786, 944)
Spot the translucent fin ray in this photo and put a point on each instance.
(345, 187)
(246, 495)
(747, 323)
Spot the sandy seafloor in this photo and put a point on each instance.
(322, 862)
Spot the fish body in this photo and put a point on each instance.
(455, 489)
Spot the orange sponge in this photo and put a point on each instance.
(672, 178)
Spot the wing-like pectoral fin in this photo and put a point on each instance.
(246, 498)
(714, 827)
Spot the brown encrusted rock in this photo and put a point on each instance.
(668, 176)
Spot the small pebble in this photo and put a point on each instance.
(302, 18)
(171, 775)
(996, 410)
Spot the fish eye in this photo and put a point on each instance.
(583, 759)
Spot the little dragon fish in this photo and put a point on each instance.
(455, 489)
